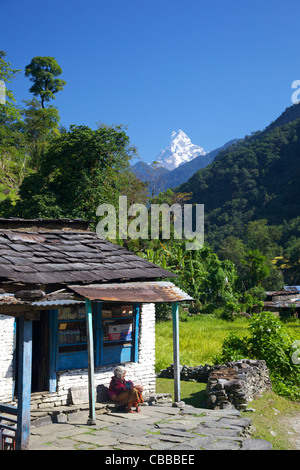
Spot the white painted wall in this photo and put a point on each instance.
(6, 357)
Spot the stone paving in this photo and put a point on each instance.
(160, 427)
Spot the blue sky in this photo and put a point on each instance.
(217, 69)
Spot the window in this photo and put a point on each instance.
(116, 330)
(72, 340)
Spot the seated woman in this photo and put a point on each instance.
(124, 391)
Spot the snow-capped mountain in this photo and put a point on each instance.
(161, 178)
(181, 150)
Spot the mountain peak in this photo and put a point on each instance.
(180, 150)
(175, 134)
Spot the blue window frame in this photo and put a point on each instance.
(115, 338)
(118, 336)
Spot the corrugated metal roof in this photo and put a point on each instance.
(10, 299)
(54, 303)
(282, 304)
(292, 289)
(280, 293)
(144, 292)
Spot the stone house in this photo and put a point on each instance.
(72, 307)
(284, 303)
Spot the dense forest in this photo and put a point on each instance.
(254, 186)
(250, 193)
(256, 179)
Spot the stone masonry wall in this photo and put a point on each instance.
(6, 355)
(231, 385)
(236, 384)
(196, 374)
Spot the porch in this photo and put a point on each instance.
(20, 415)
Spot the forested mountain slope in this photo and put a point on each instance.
(256, 179)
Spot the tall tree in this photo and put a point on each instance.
(40, 127)
(12, 142)
(7, 74)
(43, 71)
(256, 269)
(78, 171)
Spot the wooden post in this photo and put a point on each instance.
(53, 322)
(24, 384)
(135, 349)
(175, 317)
(89, 331)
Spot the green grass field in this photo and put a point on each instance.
(200, 339)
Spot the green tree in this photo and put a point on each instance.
(12, 141)
(263, 237)
(292, 260)
(256, 269)
(133, 188)
(12, 156)
(79, 170)
(40, 127)
(7, 74)
(233, 249)
(210, 281)
(42, 71)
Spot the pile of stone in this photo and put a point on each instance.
(230, 385)
(196, 374)
(236, 384)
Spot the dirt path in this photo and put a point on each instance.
(292, 424)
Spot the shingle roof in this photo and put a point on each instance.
(59, 257)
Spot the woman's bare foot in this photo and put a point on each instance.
(138, 410)
(129, 410)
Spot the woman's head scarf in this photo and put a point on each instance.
(119, 372)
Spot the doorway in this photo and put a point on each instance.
(40, 355)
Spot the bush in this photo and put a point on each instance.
(229, 310)
(234, 349)
(269, 340)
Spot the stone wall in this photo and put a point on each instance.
(6, 355)
(236, 384)
(196, 374)
(231, 385)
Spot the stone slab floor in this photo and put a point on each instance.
(158, 427)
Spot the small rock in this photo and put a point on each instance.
(178, 404)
